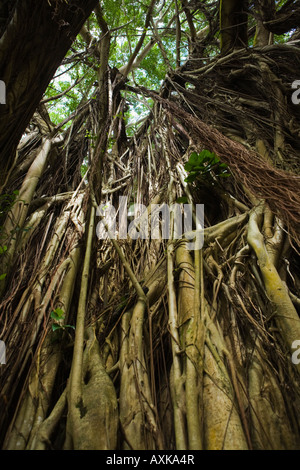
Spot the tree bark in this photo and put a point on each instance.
(28, 66)
(233, 25)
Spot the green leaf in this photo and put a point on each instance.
(2, 276)
(3, 249)
(54, 316)
(209, 155)
(195, 159)
(57, 314)
(182, 200)
(188, 166)
(203, 163)
(55, 327)
(191, 178)
(83, 169)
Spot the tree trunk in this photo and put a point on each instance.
(34, 40)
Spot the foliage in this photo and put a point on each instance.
(6, 202)
(58, 317)
(125, 19)
(205, 164)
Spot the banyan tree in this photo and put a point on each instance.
(116, 337)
